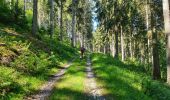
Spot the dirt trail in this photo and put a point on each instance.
(91, 86)
(46, 89)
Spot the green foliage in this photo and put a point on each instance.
(163, 63)
(155, 89)
(5, 15)
(12, 14)
(33, 61)
(29, 15)
(119, 80)
(124, 80)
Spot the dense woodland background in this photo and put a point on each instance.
(38, 35)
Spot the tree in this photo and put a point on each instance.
(155, 52)
(25, 2)
(51, 18)
(16, 10)
(73, 22)
(61, 20)
(34, 20)
(167, 32)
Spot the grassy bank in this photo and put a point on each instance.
(119, 80)
(27, 62)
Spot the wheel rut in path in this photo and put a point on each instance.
(92, 90)
(46, 89)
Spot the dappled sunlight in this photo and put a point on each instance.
(84, 49)
(71, 84)
(119, 82)
(30, 62)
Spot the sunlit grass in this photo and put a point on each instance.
(30, 62)
(17, 84)
(71, 86)
(117, 79)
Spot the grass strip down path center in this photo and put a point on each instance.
(71, 85)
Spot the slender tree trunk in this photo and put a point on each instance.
(147, 9)
(73, 23)
(167, 32)
(116, 42)
(131, 48)
(122, 44)
(112, 46)
(51, 18)
(34, 20)
(104, 49)
(25, 8)
(16, 10)
(61, 20)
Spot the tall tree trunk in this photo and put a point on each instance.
(156, 65)
(34, 20)
(131, 48)
(167, 32)
(155, 53)
(51, 18)
(112, 46)
(116, 42)
(73, 23)
(25, 8)
(147, 9)
(122, 45)
(61, 20)
(16, 10)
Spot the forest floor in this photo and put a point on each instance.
(26, 63)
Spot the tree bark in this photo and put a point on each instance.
(122, 45)
(156, 65)
(16, 10)
(73, 23)
(116, 42)
(25, 8)
(60, 19)
(155, 54)
(34, 20)
(147, 9)
(51, 18)
(112, 46)
(167, 32)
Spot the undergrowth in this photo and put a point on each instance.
(27, 62)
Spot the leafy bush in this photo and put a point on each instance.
(155, 89)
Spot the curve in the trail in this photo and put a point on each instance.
(91, 86)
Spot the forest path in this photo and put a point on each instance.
(47, 88)
(92, 89)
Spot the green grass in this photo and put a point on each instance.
(71, 85)
(120, 81)
(28, 61)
